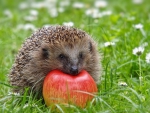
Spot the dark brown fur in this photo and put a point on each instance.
(54, 47)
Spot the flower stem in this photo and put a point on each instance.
(140, 72)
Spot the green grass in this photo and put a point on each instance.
(119, 63)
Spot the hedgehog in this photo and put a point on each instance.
(55, 47)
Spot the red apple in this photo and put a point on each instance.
(60, 87)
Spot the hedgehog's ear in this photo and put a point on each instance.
(90, 46)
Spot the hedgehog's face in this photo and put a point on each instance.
(69, 58)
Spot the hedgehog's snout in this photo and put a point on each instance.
(74, 70)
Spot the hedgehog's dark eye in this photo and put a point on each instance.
(80, 55)
(45, 53)
(90, 47)
(62, 56)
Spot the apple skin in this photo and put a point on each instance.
(59, 87)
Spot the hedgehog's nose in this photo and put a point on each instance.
(74, 70)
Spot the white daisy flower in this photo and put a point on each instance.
(68, 24)
(64, 3)
(140, 78)
(100, 3)
(31, 105)
(138, 51)
(138, 26)
(30, 18)
(104, 13)
(14, 93)
(26, 105)
(23, 5)
(132, 18)
(26, 27)
(94, 13)
(47, 25)
(61, 9)
(8, 13)
(137, 1)
(38, 5)
(122, 84)
(108, 44)
(91, 11)
(144, 44)
(78, 5)
(53, 12)
(34, 12)
(148, 58)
